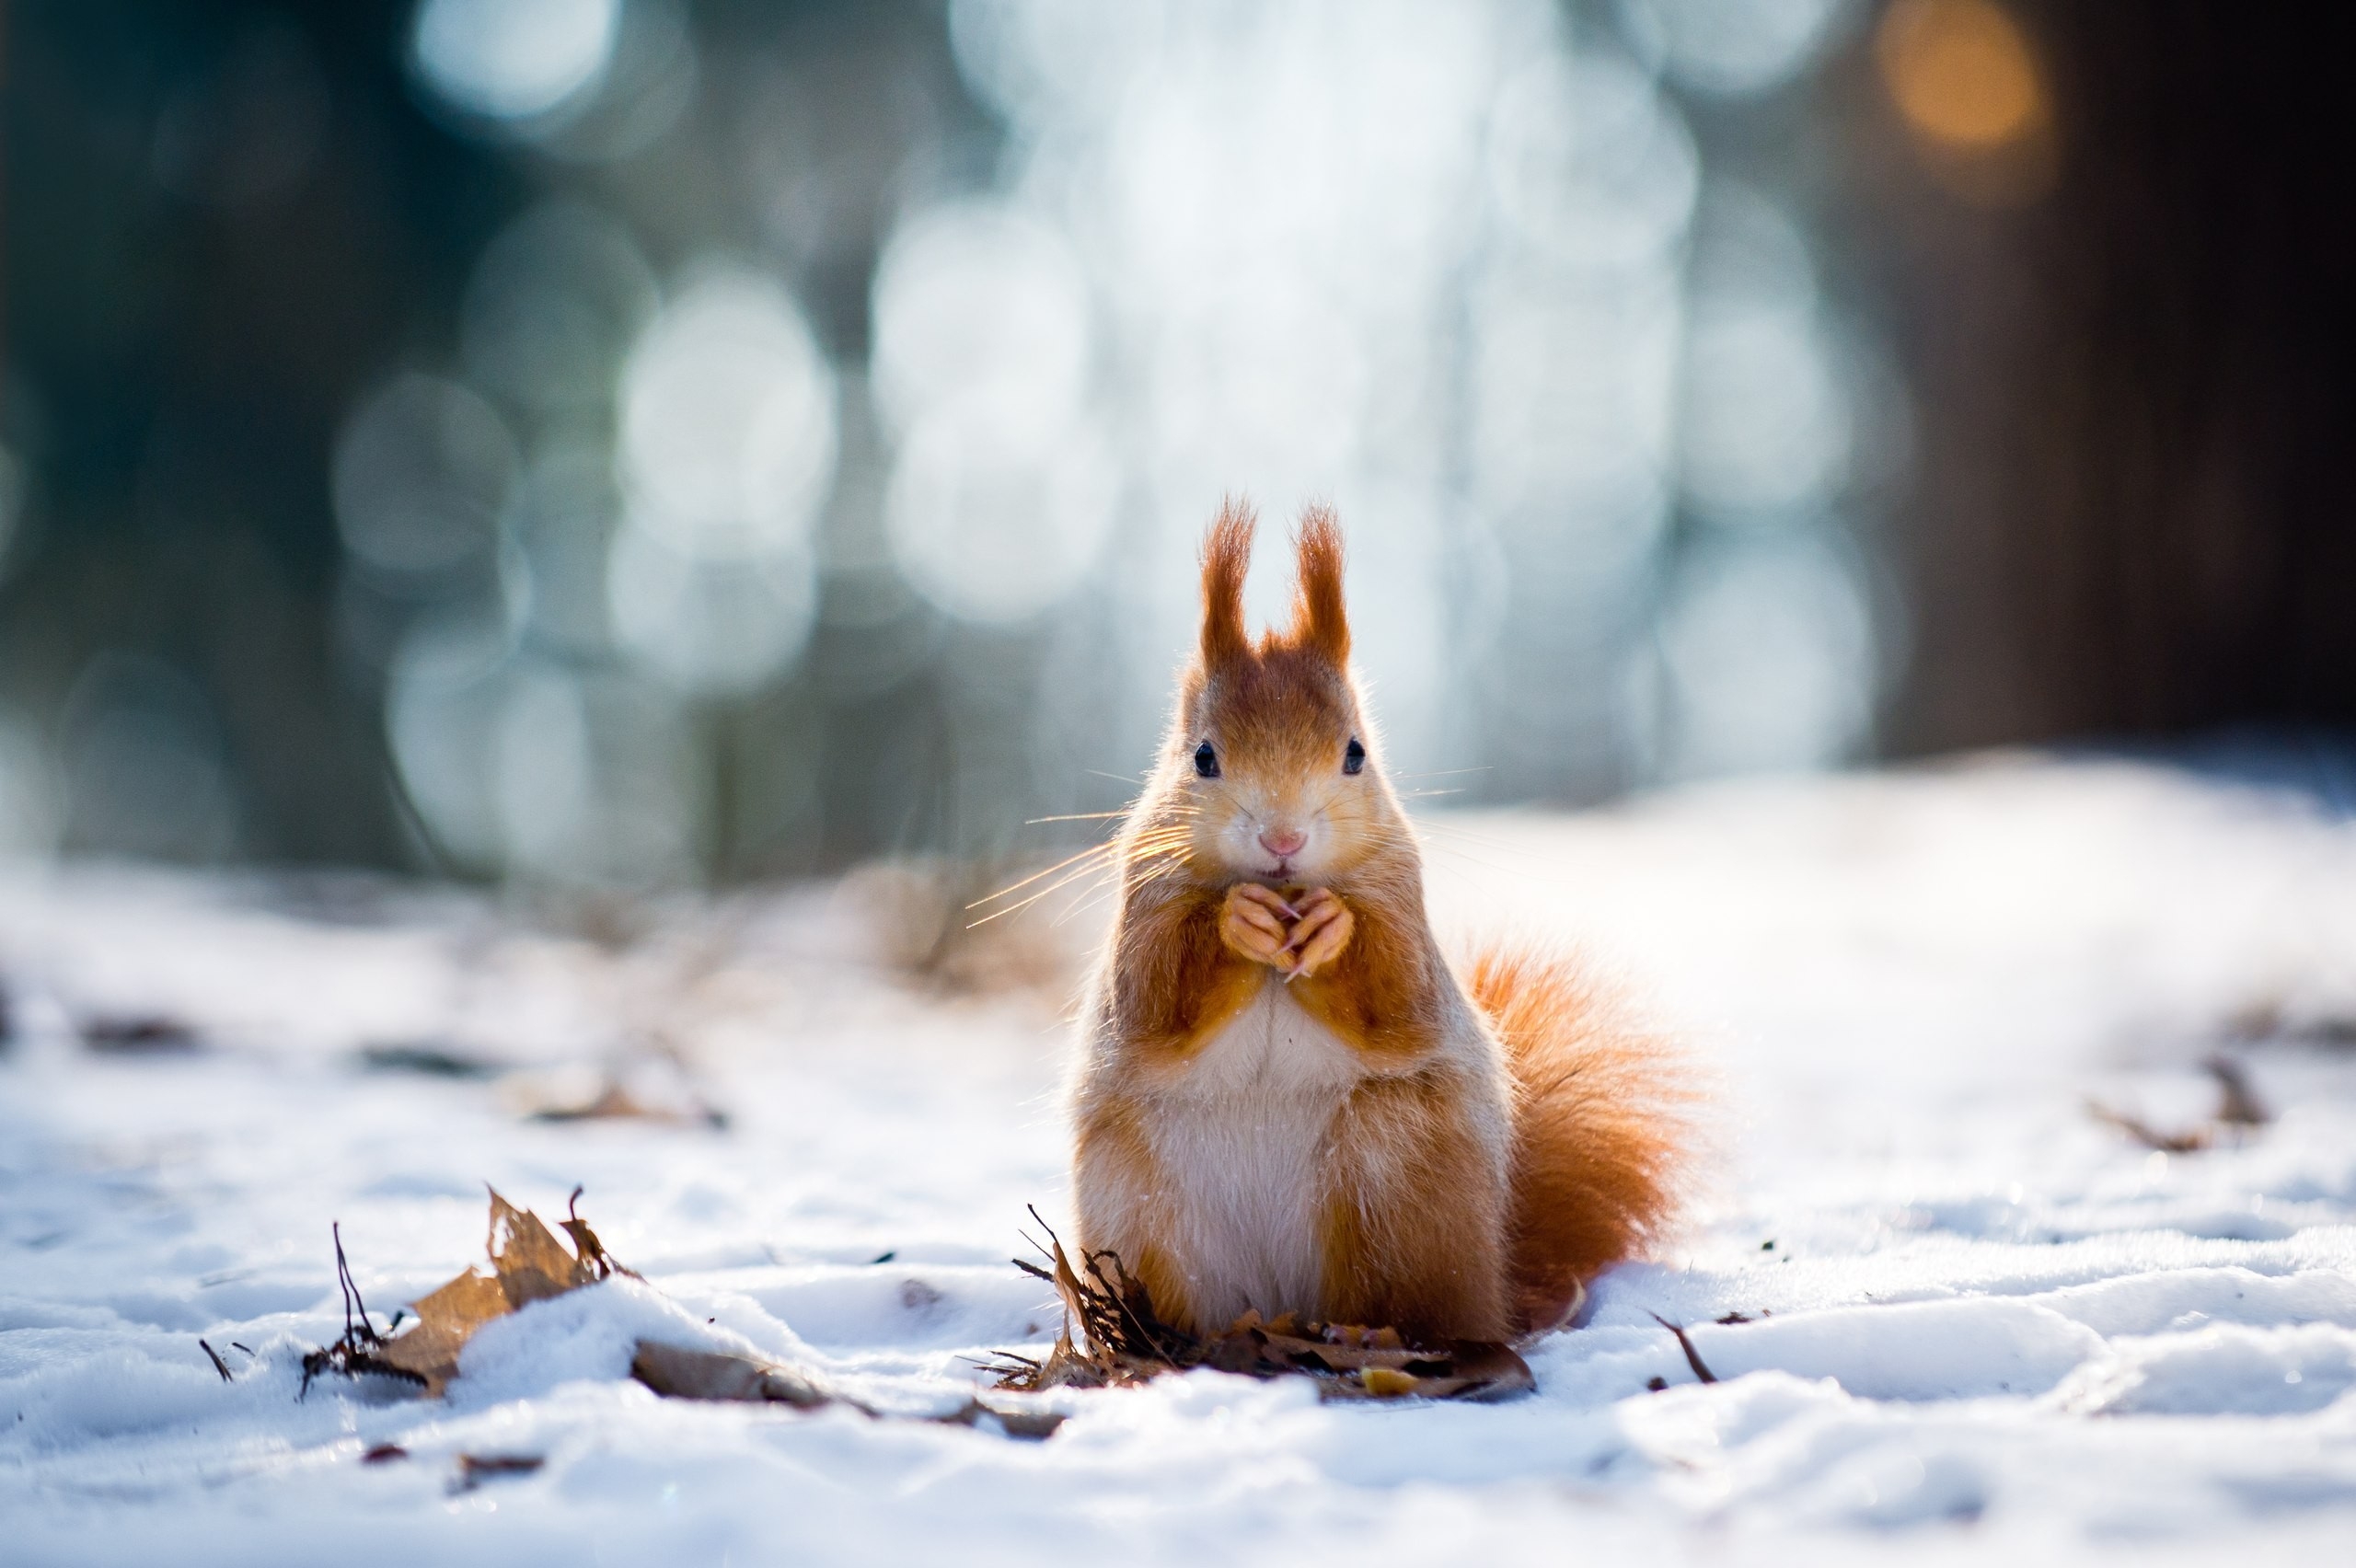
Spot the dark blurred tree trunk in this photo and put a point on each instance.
(2134, 506)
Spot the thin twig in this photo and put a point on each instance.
(2237, 1104)
(1685, 1343)
(350, 1293)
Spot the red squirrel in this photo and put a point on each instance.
(1288, 1100)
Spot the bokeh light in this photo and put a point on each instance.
(1767, 647)
(992, 523)
(709, 626)
(1733, 48)
(422, 471)
(728, 422)
(29, 791)
(1464, 272)
(1002, 490)
(553, 305)
(1589, 166)
(1961, 71)
(512, 58)
(142, 756)
(1766, 422)
(816, 443)
(442, 699)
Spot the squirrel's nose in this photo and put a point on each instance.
(1282, 841)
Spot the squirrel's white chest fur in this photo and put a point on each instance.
(1239, 1137)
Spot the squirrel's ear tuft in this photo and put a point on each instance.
(1318, 620)
(1227, 556)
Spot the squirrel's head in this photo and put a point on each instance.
(1271, 763)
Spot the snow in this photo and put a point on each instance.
(1976, 1321)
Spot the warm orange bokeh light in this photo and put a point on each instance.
(1961, 71)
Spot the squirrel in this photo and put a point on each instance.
(1288, 1100)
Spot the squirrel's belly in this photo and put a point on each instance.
(1239, 1140)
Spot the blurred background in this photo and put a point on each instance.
(638, 443)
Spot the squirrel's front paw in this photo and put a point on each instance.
(1256, 922)
(1322, 931)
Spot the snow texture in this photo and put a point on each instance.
(1963, 1318)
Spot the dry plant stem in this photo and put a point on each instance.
(350, 1288)
(1685, 1343)
(2239, 1110)
(1122, 1341)
(530, 1264)
(359, 1350)
(2190, 1141)
(2238, 1105)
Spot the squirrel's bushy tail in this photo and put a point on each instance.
(1604, 1125)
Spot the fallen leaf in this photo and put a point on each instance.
(1120, 1340)
(475, 1469)
(528, 1265)
(446, 1320)
(1032, 1426)
(532, 1264)
(680, 1373)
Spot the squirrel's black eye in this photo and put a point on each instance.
(1206, 761)
(1354, 756)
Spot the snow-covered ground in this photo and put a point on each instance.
(1980, 1320)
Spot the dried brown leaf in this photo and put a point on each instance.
(446, 1320)
(532, 1264)
(476, 1469)
(2190, 1141)
(1033, 1425)
(679, 1373)
(528, 1265)
(1112, 1337)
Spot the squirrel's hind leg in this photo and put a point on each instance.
(1115, 1182)
(1414, 1213)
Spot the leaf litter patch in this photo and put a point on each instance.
(527, 1264)
(1113, 1338)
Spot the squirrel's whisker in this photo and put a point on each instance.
(1068, 859)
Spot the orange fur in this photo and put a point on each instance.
(1290, 1100)
(1318, 617)
(1112, 1151)
(1412, 1233)
(1227, 557)
(1602, 1125)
